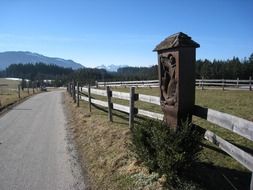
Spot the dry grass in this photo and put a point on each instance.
(104, 150)
(109, 159)
(12, 97)
(9, 93)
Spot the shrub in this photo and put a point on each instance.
(164, 150)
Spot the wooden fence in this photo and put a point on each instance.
(201, 83)
(235, 124)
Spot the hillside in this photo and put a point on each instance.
(12, 57)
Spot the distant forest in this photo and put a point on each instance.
(229, 69)
(216, 69)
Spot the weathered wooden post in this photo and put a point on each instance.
(89, 94)
(237, 82)
(36, 86)
(77, 95)
(109, 99)
(19, 92)
(81, 90)
(176, 59)
(251, 183)
(27, 87)
(70, 88)
(74, 91)
(223, 84)
(250, 83)
(202, 83)
(33, 87)
(132, 110)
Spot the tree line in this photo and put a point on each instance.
(60, 75)
(216, 69)
(38, 72)
(228, 69)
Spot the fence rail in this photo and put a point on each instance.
(233, 123)
(202, 83)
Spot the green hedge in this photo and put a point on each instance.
(166, 151)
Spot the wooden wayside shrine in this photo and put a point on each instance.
(176, 61)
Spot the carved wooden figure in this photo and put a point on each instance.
(176, 60)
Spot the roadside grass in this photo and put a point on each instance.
(9, 93)
(10, 83)
(104, 149)
(216, 169)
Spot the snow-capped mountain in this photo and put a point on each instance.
(112, 67)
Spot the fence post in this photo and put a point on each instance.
(89, 97)
(33, 87)
(109, 99)
(81, 90)
(74, 91)
(77, 94)
(19, 91)
(223, 84)
(250, 87)
(237, 83)
(28, 88)
(202, 83)
(251, 183)
(131, 107)
(70, 89)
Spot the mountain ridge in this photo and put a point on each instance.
(14, 57)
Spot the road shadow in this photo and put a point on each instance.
(117, 113)
(213, 177)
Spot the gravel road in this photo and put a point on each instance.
(35, 153)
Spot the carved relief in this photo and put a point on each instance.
(176, 57)
(169, 89)
(169, 82)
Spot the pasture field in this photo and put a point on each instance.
(216, 169)
(9, 92)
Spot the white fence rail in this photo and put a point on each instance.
(202, 83)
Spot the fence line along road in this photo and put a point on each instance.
(201, 83)
(235, 124)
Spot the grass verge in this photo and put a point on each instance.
(9, 93)
(104, 150)
(103, 144)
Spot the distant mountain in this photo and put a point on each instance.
(111, 68)
(11, 57)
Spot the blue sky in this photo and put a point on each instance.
(96, 32)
